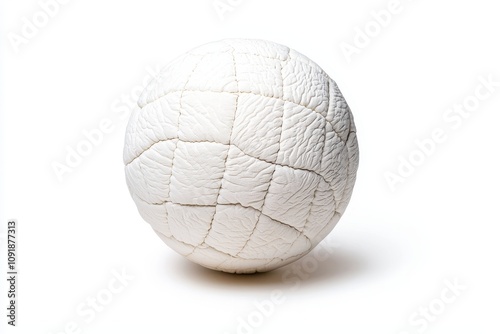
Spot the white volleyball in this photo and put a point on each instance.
(241, 155)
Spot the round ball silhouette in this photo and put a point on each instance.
(241, 155)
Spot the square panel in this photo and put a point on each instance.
(197, 173)
(259, 75)
(306, 85)
(290, 195)
(257, 126)
(189, 224)
(231, 228)
(207, 116)
(270, 239)
(302, 139)
(149, 174)
(246, 180)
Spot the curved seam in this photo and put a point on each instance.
(247, 154)
(251, 93)
(178, 126)
(349, 171)
(277, 155)
(227, 152)
(231, 204)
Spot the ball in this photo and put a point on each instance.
(241, 155)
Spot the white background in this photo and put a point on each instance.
(395, 249)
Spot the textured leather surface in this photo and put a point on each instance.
(242, 155)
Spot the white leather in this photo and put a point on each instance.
(242, 155)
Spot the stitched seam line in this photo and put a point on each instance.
(227, 152)
(255, 94)
(213, 142)
(348, 174)
(178, 127)
(227, 204)
(251, 93)
(277, 153)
